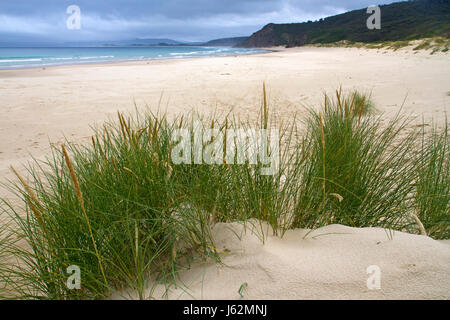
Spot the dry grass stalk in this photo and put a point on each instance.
(33, 202)
(122, 124)
(265, 108)
(419, 224)
(73, 177)
(322, 138)
(76, 185)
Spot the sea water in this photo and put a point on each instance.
(14, 58)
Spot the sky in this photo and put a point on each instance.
(185, 20)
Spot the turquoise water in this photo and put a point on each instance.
(13, 58)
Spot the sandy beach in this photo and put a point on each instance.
(38, 106)
(42, 105)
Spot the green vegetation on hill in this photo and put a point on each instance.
(226, 42)
(406, 20)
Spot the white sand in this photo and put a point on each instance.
(331, 263)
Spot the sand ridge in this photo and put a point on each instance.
(329, 263)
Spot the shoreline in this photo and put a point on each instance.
(144, 61)
(268, 50)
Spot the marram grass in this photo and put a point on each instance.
(433, 184)
(124, 213)
(358, 172)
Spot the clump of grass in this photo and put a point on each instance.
(396, 45)
(375, 45)
(4, 256)
(433, 184)
(362, 103)
(356, 174)
(122, 212)
(233, 191)
(424, 45)
(435, 44)
(112, 209)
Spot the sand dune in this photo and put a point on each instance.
(330, 263)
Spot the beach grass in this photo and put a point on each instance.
(111, 208)
(123, 212)
(356, 174)
(433, 44)
(433, 184)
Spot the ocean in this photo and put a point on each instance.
(16, 58)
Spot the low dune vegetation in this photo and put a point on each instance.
(357, 172)
(433, 45)
(127, 216)
(433, 185)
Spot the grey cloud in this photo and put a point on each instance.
(180, 19)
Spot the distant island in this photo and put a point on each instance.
(223, 42)
(408, 20)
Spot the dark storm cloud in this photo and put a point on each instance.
(180, 19)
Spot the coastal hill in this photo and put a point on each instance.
(406, 20)
(226, 42)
